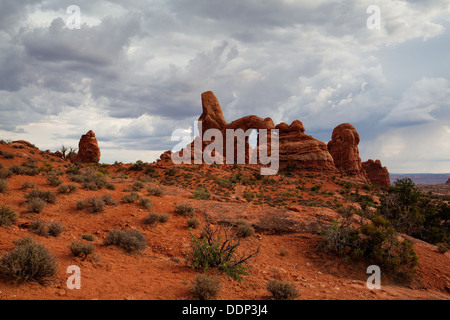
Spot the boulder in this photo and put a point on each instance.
(88, 150)
(376, 173)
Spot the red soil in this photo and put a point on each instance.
(160, 271)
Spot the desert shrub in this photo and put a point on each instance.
(244, 229)
(54, 180)
(69, 188)
(218, 249)
(249, 196)
(87, 236)
(108, 200)
(442, 247)
(282, 290)
(185, 209)
(374, 242)
(154, 191)
(36, 205)
(55, 228)
(27, 185)
(146, 203)
(3, 185)
(416, 214)
(129, 240)
(81, 204)
(205, 287)
(95, 205)
(201, 194)
(81, 249)
(63, 189)
(339, 238)
(38, 226)
(192, 223)
(28, 261)
(90, 180)
(130, 197)
(7, 155)
(30, 169)
(153, 218)
(46, 167)
(139, 165)
(7, 216)
(5, 173)
(47, 196)
(138, 185)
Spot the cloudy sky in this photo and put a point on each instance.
(134, 71)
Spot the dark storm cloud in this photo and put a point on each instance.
(135, 70)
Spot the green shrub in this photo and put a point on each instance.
(3, 185)
(129, 240)
(249, 196)
(81, 249)
(7, 216)
(28, 261)
(154, 218)
(185, 209)
(282, 290)
(375, 242)
(201, 194)
(218, 249)
(205, 287)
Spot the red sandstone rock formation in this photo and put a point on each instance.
(88, 150)
(343, 148)
(376, 173)
(448, 181)
(301, 150)
(212, 116)
(295, 147)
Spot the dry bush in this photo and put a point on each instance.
(205, 287)
(28, 261)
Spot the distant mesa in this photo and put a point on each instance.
(88, 150)
(296, 149)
